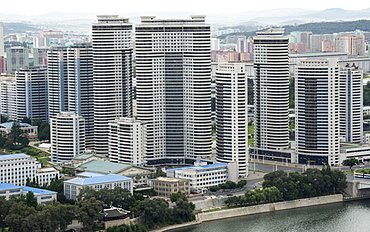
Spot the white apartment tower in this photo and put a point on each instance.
(271, 90)
(80, 87)
(351, 102)
(127, 141)
(112, 62)
(57, 80)
(67, 136)
(232, 116)
(317, 89)
(2, 49)
(8, 96)
(32, 93)
(173, 72)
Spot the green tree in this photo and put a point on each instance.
(87, 212)
(18, 216)
(350, 162)
(272, 194)
(26, 120)
(155, 210)
(174, 197)
(183, 211)
(241, 183)
(43, 128)
(4, 211)
(31, 200)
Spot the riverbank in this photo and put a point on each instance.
(256, 209)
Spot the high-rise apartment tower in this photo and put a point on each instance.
(232, 116)
(173, 73)
(271, 90)
(317, 112)
(112, 61)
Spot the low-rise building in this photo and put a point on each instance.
(139, 174)
(17, 168)
(164, 187)
(351, 150)
(97, 182)
(42, 196)
(204, 176)
(46, 175)
(29, 130)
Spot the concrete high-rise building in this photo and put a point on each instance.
(8, 96)
(57, 80)
(317, 89)
(317, 40)
(39, 41)
(2, 49)
(173, 72)
(271, 90)
(215, 44)
(16, 58)
(40, 56)
(80, 87)
(127, 141)
(32, 93)
(232, 116)
(295, 37)
(351, 101)
(67, 136)
(112, 62)
(351, 44)
(306, 38)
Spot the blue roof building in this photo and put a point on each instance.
(203, 177)
(42, 195)
(96, 181)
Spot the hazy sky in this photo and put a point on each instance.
(36, 7)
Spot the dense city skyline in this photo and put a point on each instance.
(39, 7)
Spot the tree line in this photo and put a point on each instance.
(279, 186)
(23, 214)
(311, 183)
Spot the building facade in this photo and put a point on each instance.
(16, 58)
(232, 116)
(173, 74)
(97, 182)
(42, 196)
(57, 80)
(351, 103)
(351, 44)
(164, 187)
(32, 93)
(80, 87)
(203, 176)
(8, 96)
(317, 89)
(67, 136)
(271, 90)
(127, 141)
(112, 71)
(17, 168)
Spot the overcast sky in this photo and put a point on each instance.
(37, 7)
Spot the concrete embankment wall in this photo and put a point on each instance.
(222, 214)
(210, 203)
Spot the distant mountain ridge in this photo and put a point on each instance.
(283, 16)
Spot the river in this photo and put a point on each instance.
(350, 216)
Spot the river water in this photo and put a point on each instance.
(350, 216)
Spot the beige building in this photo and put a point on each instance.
(164, 187)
